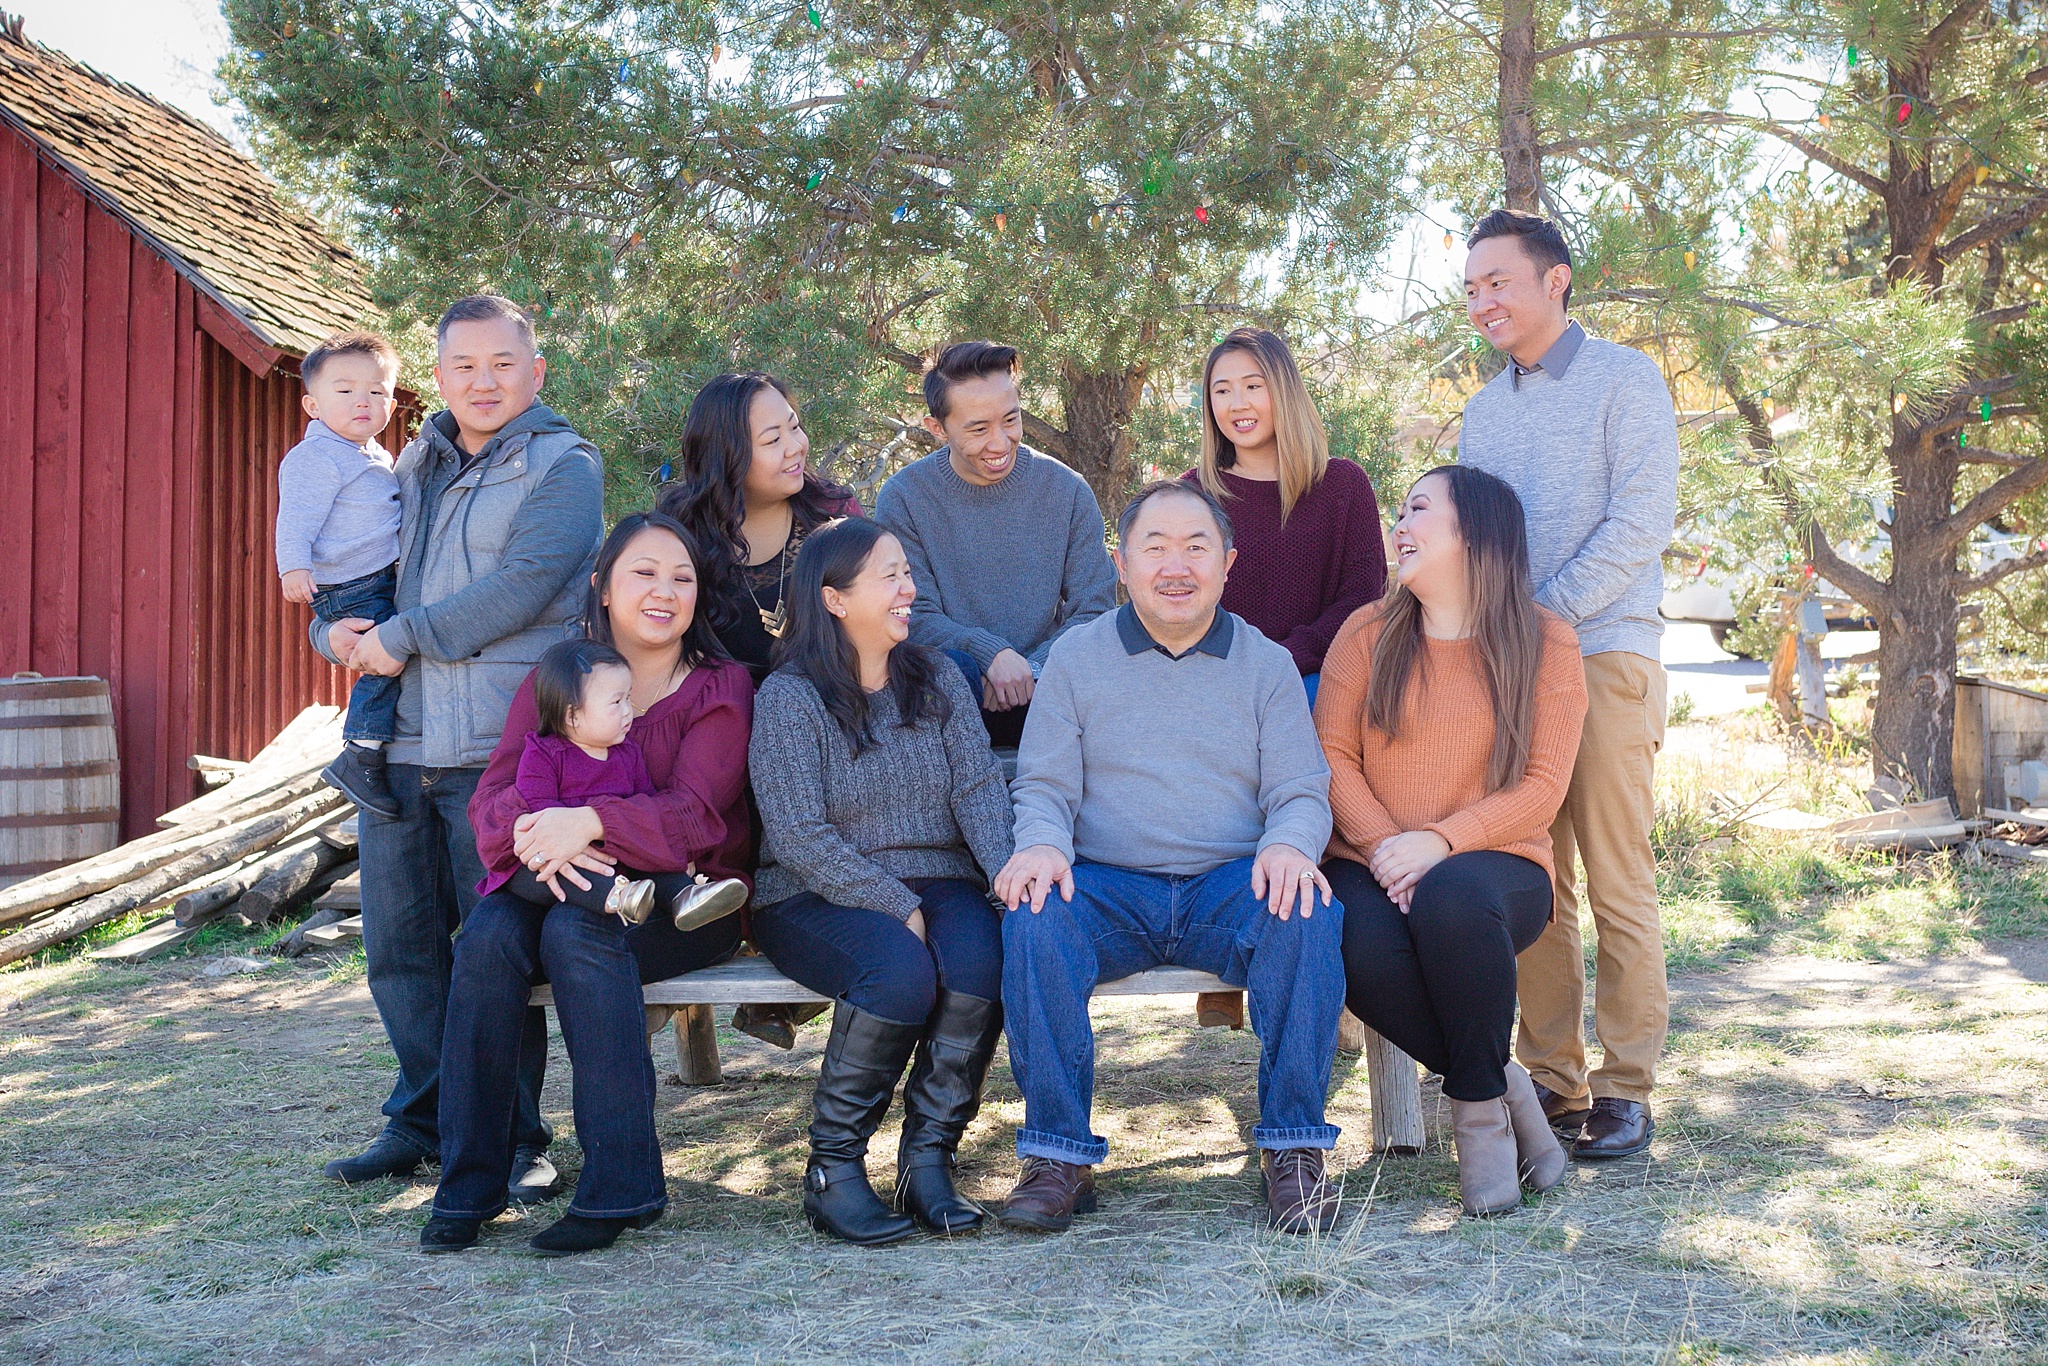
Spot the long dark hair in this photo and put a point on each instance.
(815, 645)
(559, 678)
(1502, 612)
(701, 644)
(708, 495)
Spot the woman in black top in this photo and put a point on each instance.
(748, 495)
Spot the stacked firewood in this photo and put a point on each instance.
(261, 843)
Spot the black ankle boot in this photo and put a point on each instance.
(574, 1233)
(939, 1101)
(863, 1059)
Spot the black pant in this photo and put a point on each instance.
(529, 888)
(1440, 981)
(873, 961)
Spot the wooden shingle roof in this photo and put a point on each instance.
(220, 221)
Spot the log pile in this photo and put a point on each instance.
(264, 840)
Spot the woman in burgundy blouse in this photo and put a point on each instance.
(696, 710)
(1307, 528)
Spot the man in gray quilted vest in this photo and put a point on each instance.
(501, 511)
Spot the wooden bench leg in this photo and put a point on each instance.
(1351, 1032)
(1396, 1096)
(697, 1047)
(1216, 1009)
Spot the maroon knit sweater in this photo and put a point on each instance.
(1297, 584)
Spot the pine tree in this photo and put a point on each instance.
(830, 191)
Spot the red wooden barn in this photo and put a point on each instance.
(156, 293)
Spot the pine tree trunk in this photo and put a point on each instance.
(1521, 163)
(1099, 406)
(1912, 726)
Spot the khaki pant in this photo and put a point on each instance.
(1606, 820)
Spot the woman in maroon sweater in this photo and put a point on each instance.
(696, 709)
(1306, 527)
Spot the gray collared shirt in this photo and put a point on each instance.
(1136, 639)
(1555, 361)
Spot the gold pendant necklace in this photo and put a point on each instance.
(777, 621)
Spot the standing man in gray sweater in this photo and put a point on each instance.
(1584, 431)
(1005, 544)
(501, 510)
(1172, 803)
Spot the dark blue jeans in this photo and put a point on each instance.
(871, 960)
(1121, 922)
(420, 873)
(373, 701)
(1005, 728)
(596, 966)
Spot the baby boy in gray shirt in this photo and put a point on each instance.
(337, 533)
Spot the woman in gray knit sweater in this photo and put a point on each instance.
(884, 814)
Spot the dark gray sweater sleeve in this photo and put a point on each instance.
(787, 756)
(550, 540)
(1089, 588)
(930, 626)
(981, 799)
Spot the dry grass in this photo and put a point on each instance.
(1850, 1168)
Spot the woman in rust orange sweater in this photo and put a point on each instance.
(1450, 713)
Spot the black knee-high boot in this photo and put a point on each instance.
(863, 1059)
(939, 1101)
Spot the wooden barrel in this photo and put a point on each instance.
(60, 777)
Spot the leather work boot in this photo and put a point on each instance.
(1618, 1128)
(1298, 1199)
(1488, 1175)
(940, 1100)
(863, 1059)
(1048, 1195)
(388, 1156)
(1565, 1116)
(1541, 1156)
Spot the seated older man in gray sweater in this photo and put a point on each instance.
(1172, 789)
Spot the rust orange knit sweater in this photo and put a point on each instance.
(1433, 777)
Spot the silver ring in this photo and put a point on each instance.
(1308, 877)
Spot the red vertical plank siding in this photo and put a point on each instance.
(19, 178)
(148, 721)
(180, 644)
(103, 450)
(141, 457)
(60, 335)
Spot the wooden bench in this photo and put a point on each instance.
(689, 999)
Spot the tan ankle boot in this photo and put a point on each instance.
(1541, 1155)
(1487, 1164)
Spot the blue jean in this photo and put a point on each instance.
(373, 701)
(1122, 921)
(872, 961)
(596, 966)
(420, 873)
(1005, 728)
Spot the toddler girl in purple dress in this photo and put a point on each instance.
(583, 692)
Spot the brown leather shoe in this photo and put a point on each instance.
(1298, 1199)
(1048, 1195)
(1565, 1116)
(1618, 1128)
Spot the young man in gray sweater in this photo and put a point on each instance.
(1172, 800)
(1584, 431)
(1005, 544)
(502, 508)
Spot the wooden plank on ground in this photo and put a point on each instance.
(155, 939)
(340, 932)
(347, 894)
